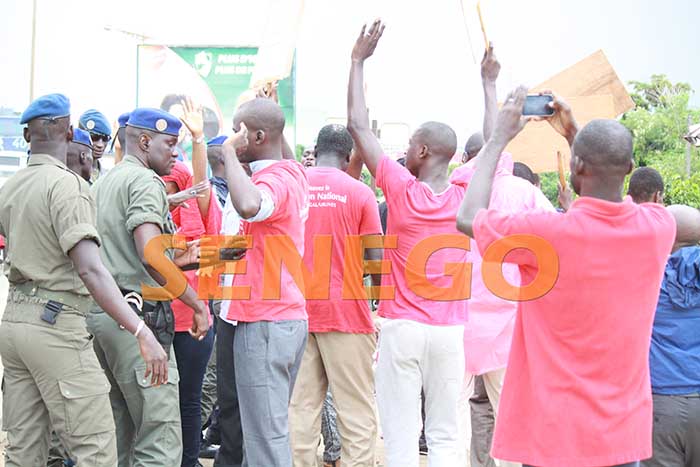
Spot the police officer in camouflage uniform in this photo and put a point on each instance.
(131, 210)
(51, 375)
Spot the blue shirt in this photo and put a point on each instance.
(674, 357)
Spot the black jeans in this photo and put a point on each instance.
(229, 418)
(192, 357)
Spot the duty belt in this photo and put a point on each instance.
(81, 303)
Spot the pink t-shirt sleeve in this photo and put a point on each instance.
(392, 178)
(369, 220)
(275, 186)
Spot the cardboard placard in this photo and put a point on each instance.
(538, 143)
(593, 90)
(276, 52)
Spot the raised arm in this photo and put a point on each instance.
(354, 168)
(509, 122)
(490, 67)
(358, 118)
(194, 121)
(563, 120)
(245, 196)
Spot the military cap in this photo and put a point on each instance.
(50, 106)
(155, 120)
(218, 141)
(123, 118)
(95, 122)
(81, 136)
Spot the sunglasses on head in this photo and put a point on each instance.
(95, 137)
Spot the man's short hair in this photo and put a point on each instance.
(523, 171)
(644, 183)
(334, 139)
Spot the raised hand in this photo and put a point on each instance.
(563, 120)
(269, 92)
(366, 43)
(510, 120)
(237, 143)
(565, 196)
(193, 118)
(490, 66)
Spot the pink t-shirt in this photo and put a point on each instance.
(577, 390)
(286, 184)
(339, 206)
(416, 213)
(488, 334)
(211, 225)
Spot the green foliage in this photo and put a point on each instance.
(548, 185)
(299, 152)
(658, 125)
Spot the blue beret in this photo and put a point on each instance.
(218, 141)
(81, 136)
(155, 120)
(95, 122)
(123, 118)
(49, 106)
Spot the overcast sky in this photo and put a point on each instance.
(422, 69)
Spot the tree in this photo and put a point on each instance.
(658, 125)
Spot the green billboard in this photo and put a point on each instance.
(215, 77)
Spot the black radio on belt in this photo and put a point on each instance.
(51, 311)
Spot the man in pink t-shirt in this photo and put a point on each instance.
(577, 390)
(420, 344)
(269, 306)
(341, 340)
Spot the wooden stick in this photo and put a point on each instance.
(560, 167)
(483, 29)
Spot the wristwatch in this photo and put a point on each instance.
(199, 140)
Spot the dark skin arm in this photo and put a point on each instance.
(354, 168)
(200, 325)
(100, 283)
(508, 124)
(375, 254)
(358, 117)
(489, 74)
(246, 197)
(193, 119)
(563, 120)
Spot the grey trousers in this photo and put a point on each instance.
(482, 425)
(267, 356)
(676, 434)
(209, 383)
